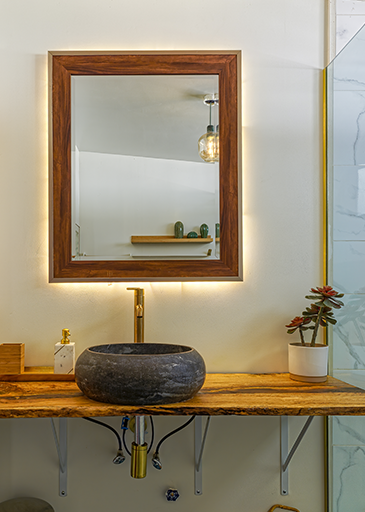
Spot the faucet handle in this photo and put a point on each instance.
(137, 291)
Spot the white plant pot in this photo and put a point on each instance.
(308, 364)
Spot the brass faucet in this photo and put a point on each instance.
(138, 314)
(139, 447)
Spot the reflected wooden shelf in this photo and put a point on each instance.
(273, 394)
(162, 239)
(36, 373)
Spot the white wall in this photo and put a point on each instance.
(121, 196)
(237, 327)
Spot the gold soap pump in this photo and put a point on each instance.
(65, 334)
(64, 354)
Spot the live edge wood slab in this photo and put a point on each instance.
(273, 394)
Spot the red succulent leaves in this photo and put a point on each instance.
(327, 291)
(326, 296)
(319, 312)
(298, 322)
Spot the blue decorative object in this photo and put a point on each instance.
(192, 234)
(179, 229)
(204, 230)
(172, 494)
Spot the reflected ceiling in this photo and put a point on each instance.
(150, 116)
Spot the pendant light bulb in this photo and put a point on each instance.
(208, 144)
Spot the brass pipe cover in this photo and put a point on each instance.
(139, 460)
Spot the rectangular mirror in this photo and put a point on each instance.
(136, 170)
(140, 141)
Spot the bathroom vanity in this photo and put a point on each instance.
(272, 394)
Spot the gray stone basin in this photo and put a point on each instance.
(140, 373)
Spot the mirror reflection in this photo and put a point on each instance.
(136, 169)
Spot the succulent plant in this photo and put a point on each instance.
(319, 312)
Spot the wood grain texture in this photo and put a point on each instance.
(12, 358)
(222, 394)
(224, 64)
(33, 373)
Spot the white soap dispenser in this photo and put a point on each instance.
(64, 354)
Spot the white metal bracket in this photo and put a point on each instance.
(61, 446)
(199, 444)
(285, 455)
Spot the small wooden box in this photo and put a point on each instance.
(11, 358)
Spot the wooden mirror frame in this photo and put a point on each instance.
(227, 65)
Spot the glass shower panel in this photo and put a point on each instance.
(345, 104)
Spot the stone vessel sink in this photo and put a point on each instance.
(140, 373)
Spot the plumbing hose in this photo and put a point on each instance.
(109, 427)
(173, 432)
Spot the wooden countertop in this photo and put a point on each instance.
(222, 394)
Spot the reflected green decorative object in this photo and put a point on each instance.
(217, 230)
(192, 234)
(204, 230)
(179, 229)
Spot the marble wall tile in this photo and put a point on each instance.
(348, 256)
(347, 26)
(348, 339)
(349, 65)
(349, 128)
(350, 7)
(353, 377)
(349, 267)
(348, 430)
(348, 479)
(349, 203)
